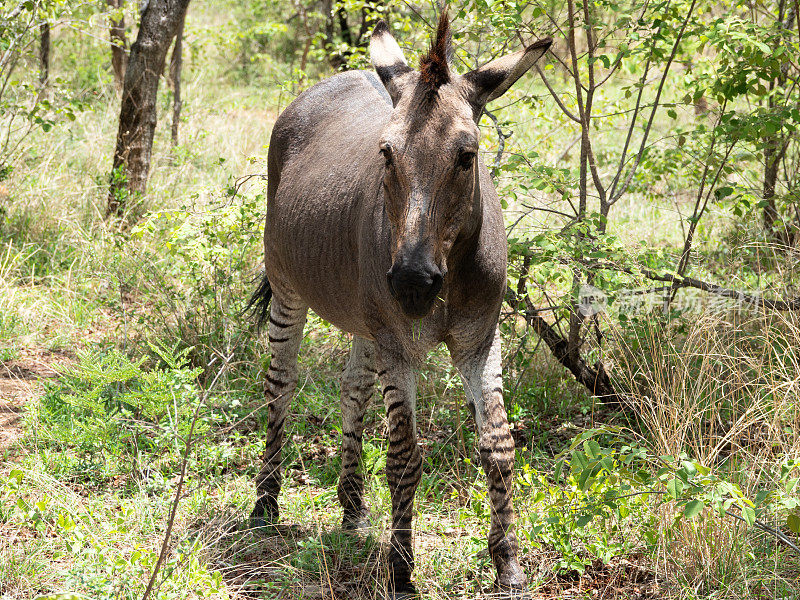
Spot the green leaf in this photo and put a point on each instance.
(723, 192)
(672, 114)
(608, 463)
(749, 514)
(691, 470)
(674, 488)
(16, 474)
(793, 523)
(585, 478)
(579, 461)
(559, 468)
(592, 449)
(693, 508)
(762, 46)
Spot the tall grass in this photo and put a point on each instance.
(724, 389)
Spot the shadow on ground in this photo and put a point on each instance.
(293, 561)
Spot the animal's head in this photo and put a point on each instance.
(430, 151)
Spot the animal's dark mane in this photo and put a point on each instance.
(434, 67)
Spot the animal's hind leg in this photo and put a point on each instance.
(286, 321)
(358, 380)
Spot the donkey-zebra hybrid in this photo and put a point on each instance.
(382, 218)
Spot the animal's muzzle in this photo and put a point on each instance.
(415, 287)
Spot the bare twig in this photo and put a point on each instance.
(766, 528)
(15, 12)
(501, 138)
(699, 210)
(712, 288)
(593, 378)
(614, 197)
(560, 104)
(677, 281)
(184, 462)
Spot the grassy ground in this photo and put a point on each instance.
(111, 338)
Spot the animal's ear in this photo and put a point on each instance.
(388, 59)
(493, 79)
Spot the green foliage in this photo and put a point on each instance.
(26, 102)
(109, 416)
(588, 509)
(97, 567)
(713, 403)
(201, 274)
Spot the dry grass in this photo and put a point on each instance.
(726, 392)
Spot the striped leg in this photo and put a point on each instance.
(403, 467)
(357, 383)
(286, 323)
(483, 383)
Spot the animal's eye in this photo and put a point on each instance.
(386, 152)
(465, 159)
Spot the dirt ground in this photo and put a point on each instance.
(20, 381)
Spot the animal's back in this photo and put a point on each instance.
(324, 181)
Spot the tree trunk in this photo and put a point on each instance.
(44, 54)
(175, 67)
(119, 43)
(137, 119)
(774, 148)
(768, 193)
(306, 45)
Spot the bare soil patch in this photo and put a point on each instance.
(19, 383)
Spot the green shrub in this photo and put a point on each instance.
(108, 415)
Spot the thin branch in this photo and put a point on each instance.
(15, 12)
(561, 105)
(184, 462)
(712, 288)
(569, 147)
(697, 214)
(549, 210)
(501, 138)
(611, 71)
(677, 281)
(766, 528)
(595, 379)
(612, 199)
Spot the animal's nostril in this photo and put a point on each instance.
(415, 287)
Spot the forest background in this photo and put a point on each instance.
(650, 175)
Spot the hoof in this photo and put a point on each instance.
(403, 592)
(357, 522)
(254, 523)
(514, 591)
(260, 518)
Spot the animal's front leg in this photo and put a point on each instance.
(403, 466)
(483, 383)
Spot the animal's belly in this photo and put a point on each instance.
(322, 272)
(348, 321)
